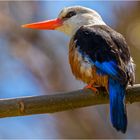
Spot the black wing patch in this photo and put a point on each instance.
(105, 48)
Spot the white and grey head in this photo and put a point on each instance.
(70, 20)
(76, 16)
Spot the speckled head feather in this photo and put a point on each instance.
(78, 10)
(76, 16)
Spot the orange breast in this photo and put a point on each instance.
(83, 70)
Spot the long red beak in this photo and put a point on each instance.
(45, 25)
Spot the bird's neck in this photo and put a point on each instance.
(70, 27)
(90, 23)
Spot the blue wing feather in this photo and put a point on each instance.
(106, 67)
(109, 68)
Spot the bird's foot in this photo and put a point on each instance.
(95, 90)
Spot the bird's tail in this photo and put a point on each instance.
(117, 105)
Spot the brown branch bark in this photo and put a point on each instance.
(60, 102)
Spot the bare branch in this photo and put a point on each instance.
(60, 102)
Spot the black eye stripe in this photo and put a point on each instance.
(70, 14)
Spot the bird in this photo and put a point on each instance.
(98, 56)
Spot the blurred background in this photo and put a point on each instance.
(36, 62)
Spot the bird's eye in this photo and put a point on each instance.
(70, 14)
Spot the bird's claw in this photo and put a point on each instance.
(95, 90)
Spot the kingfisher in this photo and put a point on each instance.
(98, 56)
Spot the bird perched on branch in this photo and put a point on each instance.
(98, 55)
